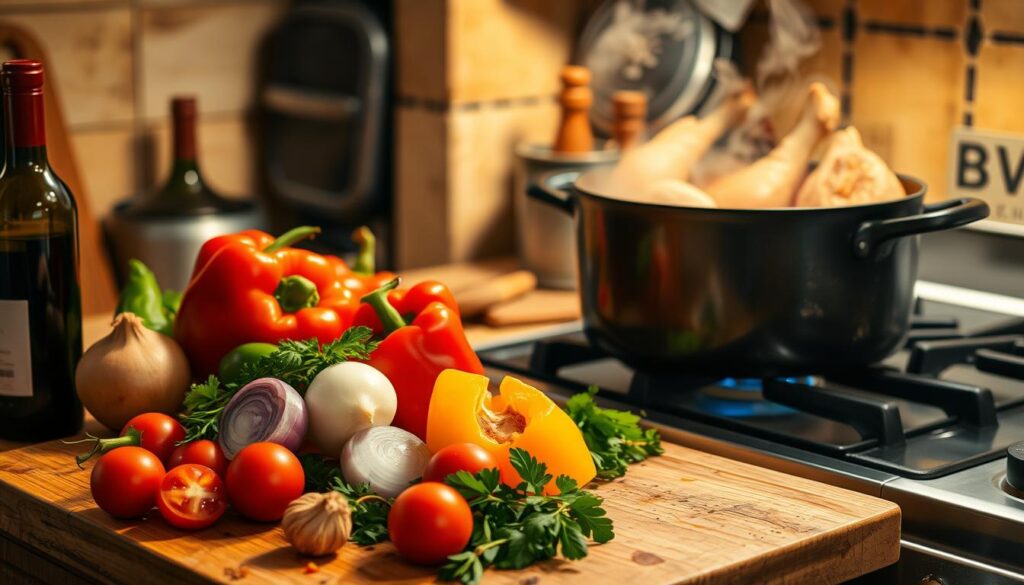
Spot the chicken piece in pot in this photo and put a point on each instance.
(772, 180)
(673, 152)
(849, 174)
(676, 192)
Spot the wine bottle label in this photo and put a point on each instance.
(15, 350)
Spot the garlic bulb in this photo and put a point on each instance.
(317, 524)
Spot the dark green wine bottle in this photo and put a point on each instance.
(185, 193)
(40, 297)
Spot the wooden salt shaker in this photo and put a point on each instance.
(574, 134)
(629, 114)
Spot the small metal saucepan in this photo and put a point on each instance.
(748, 292)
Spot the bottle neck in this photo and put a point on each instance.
(26, 129)
(185, 172)
(185, 175)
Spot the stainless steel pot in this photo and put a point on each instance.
(169, 244)
(748, 292)
(544, 236)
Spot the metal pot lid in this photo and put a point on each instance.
(664, 48)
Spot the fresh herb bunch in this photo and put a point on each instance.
(369, 512)
(516, 527)
(320, 473)
(614, 437)
(294, 362)
(202, 408)
(298, 362)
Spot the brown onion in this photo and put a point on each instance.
(131, 371)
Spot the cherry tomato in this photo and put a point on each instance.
(124, 482)
(262, 479)
(203, 452)
(191, 497)
(159, 433)
(428, 522)
(458, 457)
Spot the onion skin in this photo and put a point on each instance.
(131, 371)
(387, 458)
(276, 406)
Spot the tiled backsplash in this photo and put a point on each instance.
(119, 62)
(912, 71)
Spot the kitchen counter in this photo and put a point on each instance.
(684, 517)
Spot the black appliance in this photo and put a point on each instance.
(325, 118)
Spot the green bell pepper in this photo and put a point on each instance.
(142, 295)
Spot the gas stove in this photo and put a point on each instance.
(929, 429)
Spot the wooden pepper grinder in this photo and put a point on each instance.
(574, 133)
(629, 114)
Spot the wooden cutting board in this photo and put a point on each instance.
(684, 517)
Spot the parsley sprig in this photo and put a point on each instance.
(614, 437)
(294, 362)
(369, 512)
(516, 527)
(319, 472)
(298, 362)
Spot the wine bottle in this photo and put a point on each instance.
(185, 192)
(40, 297)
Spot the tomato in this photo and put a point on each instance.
(191, 496)
(230, 368)
(262, 479)
(458, 457)
(203, 452)
(159, 433)
(430, 521)
(124, 482)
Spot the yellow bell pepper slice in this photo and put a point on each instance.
(462, 410)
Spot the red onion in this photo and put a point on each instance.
(263, 410)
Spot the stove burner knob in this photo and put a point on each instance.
(1015, 465)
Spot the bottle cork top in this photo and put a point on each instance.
(23, 75)
(183, 106)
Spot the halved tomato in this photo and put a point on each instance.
(191, 496)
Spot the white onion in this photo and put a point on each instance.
(346, 398)
(387, 458)
(266, 409)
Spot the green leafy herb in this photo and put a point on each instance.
(369, 512)
(202, 408)
(516, 527)
(320, 472)
(298, 362)
(614, 437)
(294, 362)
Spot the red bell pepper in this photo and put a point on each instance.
(417, 347)
(250, 287)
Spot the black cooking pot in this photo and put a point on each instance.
(748, 292)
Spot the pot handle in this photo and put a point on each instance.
(871, 235)
(553, 189)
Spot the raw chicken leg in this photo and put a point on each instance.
(676, 149)
(676, 192)
(849, 174)
(772, 180)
